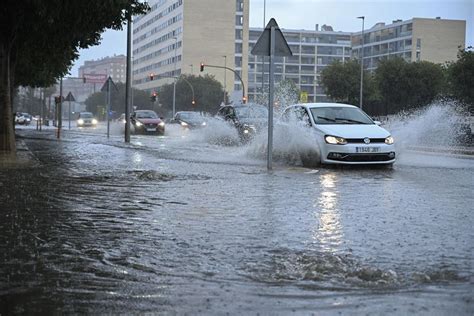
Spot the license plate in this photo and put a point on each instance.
(151, 129)
(367, 149)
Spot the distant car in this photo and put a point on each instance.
(344, 134)
(248, 119)
(22, 118)
(189, 119)
(147, 122)
(86, 119)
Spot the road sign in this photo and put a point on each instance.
(304, 97)
(95, 78)
(262, 47)
(70, 97)
(271, 43)
(105, 87)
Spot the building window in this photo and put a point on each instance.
(238, 48)
(239, 6)
(239, 20)
(238, 34)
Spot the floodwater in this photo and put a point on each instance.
(181, 224)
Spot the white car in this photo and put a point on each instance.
(344, 134)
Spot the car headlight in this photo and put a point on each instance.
(161, 124)
(184, 124)
(334, 140)
(138, 123)
(389, 140)
(204, 124)
(94, 121)
(80, 121)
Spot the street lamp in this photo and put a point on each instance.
(174, 74)
(263, 57)
(361, 62)
(225, 77)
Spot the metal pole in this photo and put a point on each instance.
(59, 111)
(108, 107)
(174, 74)
(263, 57)
(69, 115)
(270, 99)
(128, 80)
(362, 64)
(225, 77)
(43, 103)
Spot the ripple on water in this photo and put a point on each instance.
(331, 271)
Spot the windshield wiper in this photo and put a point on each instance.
(326, 118)
(349, 120)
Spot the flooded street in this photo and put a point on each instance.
(181, 224)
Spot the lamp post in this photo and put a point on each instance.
(174, 74)
(361, 62)
(225, 77)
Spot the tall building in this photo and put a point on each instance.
(312, 51)
(177, 35)
(435, 40)
(114, 66)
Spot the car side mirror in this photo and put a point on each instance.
(378, 123)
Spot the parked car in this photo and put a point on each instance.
(344, 134)
(189, 119)
(248, 119)
(86, 119)
(147, 122)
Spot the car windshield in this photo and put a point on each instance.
(191, 116)
(251, 112)
(86, 115)
(146, 114)
(340, 115)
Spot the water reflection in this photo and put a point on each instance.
(329, 233)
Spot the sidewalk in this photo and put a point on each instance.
(456, 151)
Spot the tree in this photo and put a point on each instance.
(403, 85)
(40, 39)
(208, 94)
(97, 100)
(341, 82)
(461, 76)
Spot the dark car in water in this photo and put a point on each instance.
(189, 119)
(147, 122)
(248, 119)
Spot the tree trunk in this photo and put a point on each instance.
(7, 133)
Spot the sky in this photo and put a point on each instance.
(305, 14)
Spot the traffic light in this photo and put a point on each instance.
(244, 100)
(202, 67)
(57, 99)
(153, 97)
(152, 76)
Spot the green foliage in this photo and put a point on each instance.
(403, 85)
(97, 101)
(461, 76)
(342, 82)
(208, 94)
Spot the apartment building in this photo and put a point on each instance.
(113, 66)
(435, 40)
(177, 35)
(312, 51)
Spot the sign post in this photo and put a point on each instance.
(106, 87)
(271, 43)
(69, 98)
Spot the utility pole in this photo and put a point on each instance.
(129, 77)
(361, 64)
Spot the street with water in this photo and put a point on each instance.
(183, 224)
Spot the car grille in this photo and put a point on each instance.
(361, 157)
(361, 140)
(150, 125)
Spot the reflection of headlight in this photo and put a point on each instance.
(204, 124)
(124, 121)
(80, 121)
(139, 123)
(184, 124)
(161, 123)
(389, 140)
(94, 121)
(334, 140)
